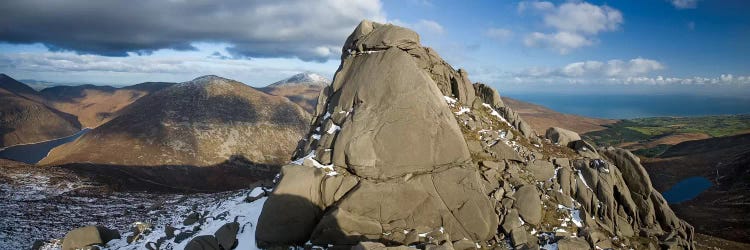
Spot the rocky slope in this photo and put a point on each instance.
(201, 122)
(404, 150)
(540, 118)
(24, 118)
(95, 105)
(302, 89)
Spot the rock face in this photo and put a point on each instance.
(404, 150)
(302, 89)
(200, 122)
(24, 118)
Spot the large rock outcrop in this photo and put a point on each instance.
(404, 150)
(385, 125)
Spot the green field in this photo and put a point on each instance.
(645, 129)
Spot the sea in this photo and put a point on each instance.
(627, 106)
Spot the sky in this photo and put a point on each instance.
(639, 46)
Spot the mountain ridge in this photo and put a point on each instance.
(199, 122)
(25, 118)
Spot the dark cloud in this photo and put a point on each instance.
(281, 28)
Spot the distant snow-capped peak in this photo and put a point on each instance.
(306, 78)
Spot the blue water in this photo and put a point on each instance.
(625, 106)
(33, 153)
(687, 189)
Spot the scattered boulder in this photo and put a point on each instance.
(570, 243)
(191, 219)
(502, 151)
(88, 236)
(541, 169)
(561, 136)
(203, 242)
(464, 245)
(226, 235)
(528, 204)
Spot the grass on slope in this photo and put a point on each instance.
(645, 129)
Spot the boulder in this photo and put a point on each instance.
(502, 151)
(561, 136)
(88, 236)
(528, 204)
(203, 242)
(511, 221)
(302, 193)
(464, 245)
(541, 169)
(191, 219)
(226, 235)
(572, 244)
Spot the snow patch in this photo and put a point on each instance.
(463, 110)
(333, 129)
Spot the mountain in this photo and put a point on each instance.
(302, 89)
(305, 78)
(722, 160)
(201, 122)
(94, 105)
(405, 150)
(24, 118)
(541, 118)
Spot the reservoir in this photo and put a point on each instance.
(35, 152)
(687, 189)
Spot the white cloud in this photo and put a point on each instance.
(598, 69)
(684, 4)
(535, 5)
(421, 26)
(430, 25)
(612, 68)
(584, 18)
(162, 65)
(634, 71)
(562, 41)
(256, 29)
(499, 34)
(574, 24)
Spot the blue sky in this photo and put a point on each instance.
(690, 46)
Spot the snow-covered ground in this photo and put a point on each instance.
(234, 208)
(36, 210)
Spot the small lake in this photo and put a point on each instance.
(35, 152)
(687, 189)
